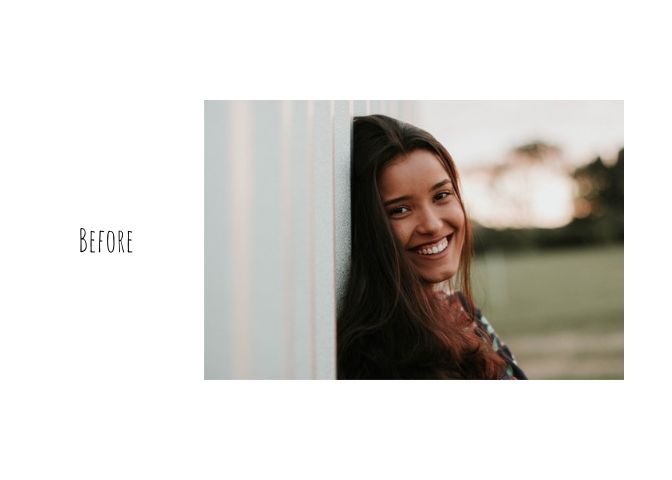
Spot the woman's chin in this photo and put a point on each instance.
(438, 270)
(437, 277)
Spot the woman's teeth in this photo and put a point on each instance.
(437, 248)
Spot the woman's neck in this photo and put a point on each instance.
(442, 287)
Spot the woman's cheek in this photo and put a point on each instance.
(403, 232)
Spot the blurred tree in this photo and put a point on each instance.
(600, 188)
(537, 152)
(599, 206)
(599, 209)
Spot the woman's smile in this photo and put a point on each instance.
(434, 250)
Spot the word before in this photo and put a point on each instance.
(113, 242)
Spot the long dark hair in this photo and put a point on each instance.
(389, 324)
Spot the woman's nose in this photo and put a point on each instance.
(430, 222)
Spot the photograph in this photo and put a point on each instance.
(414, 240)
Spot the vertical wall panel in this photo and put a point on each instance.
(265, 256)
(301, 240)
(361, 107)
(343, 113)
(218, 288)
(323, 211)
(286, 234)
(239, 158)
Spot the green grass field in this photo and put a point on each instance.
(561, 312)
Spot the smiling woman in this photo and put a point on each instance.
(407, 312)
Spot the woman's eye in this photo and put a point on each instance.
(442, 195)
(398, 211)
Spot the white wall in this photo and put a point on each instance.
(270, 212)
(277, 233)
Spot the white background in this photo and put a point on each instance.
(101, 126)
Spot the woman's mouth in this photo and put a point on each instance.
(434, 249)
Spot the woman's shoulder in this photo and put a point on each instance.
(513, 371)
(460, 298)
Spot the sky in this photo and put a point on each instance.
(482, 132)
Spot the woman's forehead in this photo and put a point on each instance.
(420, 169)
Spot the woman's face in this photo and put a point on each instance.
(425, 213)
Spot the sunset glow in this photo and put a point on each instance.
(534, 196)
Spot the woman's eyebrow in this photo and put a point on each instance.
(398, 199)
(408, 197)
(440, 184)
